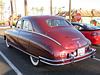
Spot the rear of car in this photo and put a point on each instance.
(93, 36)
(75, 46)
(89, 31)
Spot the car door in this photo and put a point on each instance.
(24, 36)
(36, 42)
(15, 33)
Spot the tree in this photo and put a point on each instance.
(51, 7)
(11, 2)
(69, 10)
(15, 8)
(32, 10)
(2, 7)
(25, 3)
(55, 8)
(37, 10)
(41, 10)
(59, 10)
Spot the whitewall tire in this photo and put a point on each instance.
(34, 61)
(7, 44)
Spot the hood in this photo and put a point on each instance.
(67, 36)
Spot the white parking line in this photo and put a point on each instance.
(10, 64)
(96, 59)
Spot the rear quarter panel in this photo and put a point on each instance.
(12, 35)
(94, 39)
(42, 46)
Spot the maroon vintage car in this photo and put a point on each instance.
(49, 39)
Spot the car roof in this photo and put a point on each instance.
(44, 17)
(39, 22)
(86, 25)
(78, 23)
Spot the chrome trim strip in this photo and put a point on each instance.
(53, 60)
(64, 63)
(48, 38)
(75, 38)
(53, 64)
(42, 35)
(65, 59)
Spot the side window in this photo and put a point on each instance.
(27, 25)
(78, 27)
(19, 24)
(57, 22)
(81, 28)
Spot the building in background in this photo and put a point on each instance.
(87, 16)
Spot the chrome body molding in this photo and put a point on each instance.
(48, 38)
(75, 38)
(66, 58)
(42, 35)
(63, 63)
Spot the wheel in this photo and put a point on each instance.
(34, 61)
(7, 44)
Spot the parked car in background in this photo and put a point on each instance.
(95, 22)
(49, 39)
(89, 31)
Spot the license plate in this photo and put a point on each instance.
(81, 51)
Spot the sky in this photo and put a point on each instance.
(75, 4)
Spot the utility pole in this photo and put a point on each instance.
(1, 13)
(11, 1)
(69, 10)
(15, 7)
(51, 7)
(25, 3)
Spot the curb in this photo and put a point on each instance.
(6, 27)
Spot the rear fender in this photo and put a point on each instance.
(45, 45)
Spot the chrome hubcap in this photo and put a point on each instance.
(34, 61)
(7, 44)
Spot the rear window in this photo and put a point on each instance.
(91, 27)
(57, 22)
(98, 20)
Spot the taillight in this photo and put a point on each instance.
(63, 54)
(94, 34)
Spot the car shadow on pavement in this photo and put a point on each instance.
(79, 68)
(96, 45)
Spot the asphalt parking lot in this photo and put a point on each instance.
(22, 64)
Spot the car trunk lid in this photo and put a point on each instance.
(67, 36)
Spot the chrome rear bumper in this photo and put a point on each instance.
(69, 60)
